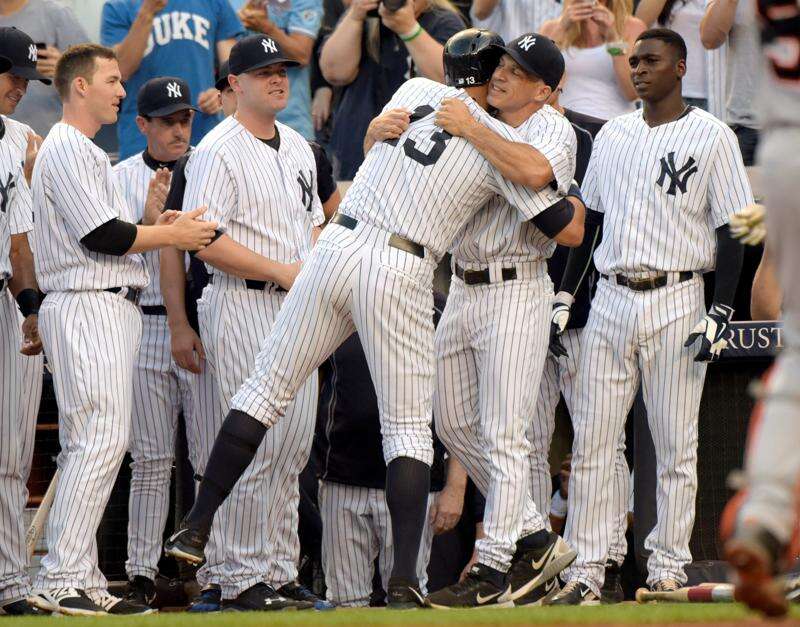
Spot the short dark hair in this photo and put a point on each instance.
(669, 37)
(78, 61)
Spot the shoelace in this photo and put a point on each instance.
(107, 601)
(471, 581)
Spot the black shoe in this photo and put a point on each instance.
(540, 595)
(208, 600)
(140, 590)
(69, 601)
(21, 607)
(263, 598)
(403, 595)
(532, 568)
(120, 607)
(477, 590)
(186, 545)
(612, 592)
(298, 592)
(575, 593)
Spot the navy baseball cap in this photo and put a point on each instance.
(254, 52)
(538, 55)
(164, 96)
(222, 77)
(20, 51)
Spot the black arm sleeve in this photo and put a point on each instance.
(325, 183)
(115, 237)
(177, 185)
(580, 259)
(552, 220)
(730, 254)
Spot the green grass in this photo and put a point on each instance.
(627, 613)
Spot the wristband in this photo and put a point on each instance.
(558, 506)
(564, 298)
(412, 34)
(28, 302)
(616, 48)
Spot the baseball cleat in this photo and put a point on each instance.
(208, 600)
(20, 607)
(140, 590)
(532, 568)
(753, 553)
(540, 595)
(612, 592)
(298, 592)
(575, 593)
(116, 606)
(263, 598)
(665, 585)
(68, 601)
(186, 544)
(403, 595)
(476, 590)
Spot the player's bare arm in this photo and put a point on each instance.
(186, 232)
(25, 290)
(517, 162)
(186, 347)
(388, 125)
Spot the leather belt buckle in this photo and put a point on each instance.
(649, 283)
(132, 294)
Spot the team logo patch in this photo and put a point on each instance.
(305, 189)
(174, 90)
(270, 47)
(678, 177)
(5, 190)
(33, 54)
(526, 42)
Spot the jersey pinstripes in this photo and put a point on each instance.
(15, 205)
(74, 192)
(427, 185)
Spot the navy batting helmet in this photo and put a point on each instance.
(470, 57)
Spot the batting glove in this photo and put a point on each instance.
(559, 317)
(712, 331)
(748, 225)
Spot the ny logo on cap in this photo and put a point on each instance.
(269, 46)
(32, 54)
(527, 42)
(174, 90)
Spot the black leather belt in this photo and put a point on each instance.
(395, 241)
(481, 277)
(2, 284)
(154, 310)
(651, 283)
(259, 286)
(132, 293)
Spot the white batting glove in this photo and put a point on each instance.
(748, 225)
(712, 331)
(559, 317)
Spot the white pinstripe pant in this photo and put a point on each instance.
(558, 378)
(258, 521)
(633, 336)
(20, 393)
(160, 389)
(356, 528)
(91, 339)
(490, 348)
(354, 281)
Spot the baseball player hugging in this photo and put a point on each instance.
(371, 271)
(88, 265)
(663, 182)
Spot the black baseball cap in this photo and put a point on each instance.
(164, 96)
(222, 77)
(18, 48)
(254, 52)
(538, 55)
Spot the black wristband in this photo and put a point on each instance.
(28, 302)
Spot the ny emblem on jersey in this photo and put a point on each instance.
(305, 189)
(5, 190)
(174, 90)
(678, 178)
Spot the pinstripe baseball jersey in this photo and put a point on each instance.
(74, 192)
(15, 204)
(134, 176)
(425, 185)
(264, 199)
(664, 190)
(496, 233)
(16, 133)
(512, 17)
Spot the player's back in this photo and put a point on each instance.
(426, 184)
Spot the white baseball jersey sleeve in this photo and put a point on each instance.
(649, 192)
(425, 185)
(498, 232)
(74, 192)
(263, 199)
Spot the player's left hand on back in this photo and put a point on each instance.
(208, 101)
(454, 117)
(712, 331)
(31, 342)
(446, 510)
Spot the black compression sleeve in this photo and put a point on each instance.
(730, 254)
(552, 220)
(580, 259)
(115, 237)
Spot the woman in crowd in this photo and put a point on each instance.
(595, 37)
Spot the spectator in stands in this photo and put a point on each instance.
(294, 24)
(54, 28)
(683, 16)
(595, 37)
(733, 22)
(369, 58)
(169, 37)
(510, 17)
